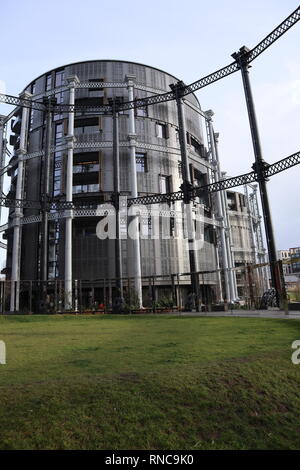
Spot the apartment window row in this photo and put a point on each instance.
(162, 132)
(86, 167)
(88, 126)
(85, 188)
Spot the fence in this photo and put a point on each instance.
(160, 293)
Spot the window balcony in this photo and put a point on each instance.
(86, 188)
(86, 168)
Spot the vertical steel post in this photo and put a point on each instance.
(250, 220)
(229, 236)
(230, 257)
(186, 186)
(135, 243)
(118, 300)
(49, 103)
(227, 278)
(259, 165)
(2, 154)
(72, 81)
(16, 252)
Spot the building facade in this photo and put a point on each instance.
(151, 135)
(247, 242)
(81, 170)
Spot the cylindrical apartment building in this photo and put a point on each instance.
(81, 170)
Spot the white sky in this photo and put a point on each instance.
(188, 39)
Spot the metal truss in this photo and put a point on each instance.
(283, 164)
(24, 102)
(292, 19)
(5, 169)
(274, 35)
(19, 203)
(156, 199)
(228, 183)
(211, 78)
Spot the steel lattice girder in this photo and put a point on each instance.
(228, 183)
(274, 35)
(19, 203)
(163, 97)
(283, 164)
(24, 102)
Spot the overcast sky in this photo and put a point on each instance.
(188, 39)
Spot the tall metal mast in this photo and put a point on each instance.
(260, 165)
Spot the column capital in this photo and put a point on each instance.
(209, 114)
(25, 95)
(17, 217)
(130, 79)
(178, 89)
(20, 153)
(132, 138)
(70, 139)
(72, 80)
(69, 214)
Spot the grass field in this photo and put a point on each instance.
(129, 382)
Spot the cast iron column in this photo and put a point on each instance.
(2, 153)
(221, 218)
(186, 187)
(49, 103)
(134, 242)
(72, 81)
(259, 165)
(16, 251)
(118, 301)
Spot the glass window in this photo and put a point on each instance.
(85, 188)
(56, 183)
(59, 78)
(86, 130)
(57, 173)
(141, 162)
(59, 81)
(141, 111)
(165, 184)
(196, 146)
(48, 82)
(161, 130)
(86, 167)
(58, 133)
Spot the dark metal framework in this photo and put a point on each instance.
(261, 172)
(282, 28)
(240, 180)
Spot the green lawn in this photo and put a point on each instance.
(129, 382)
